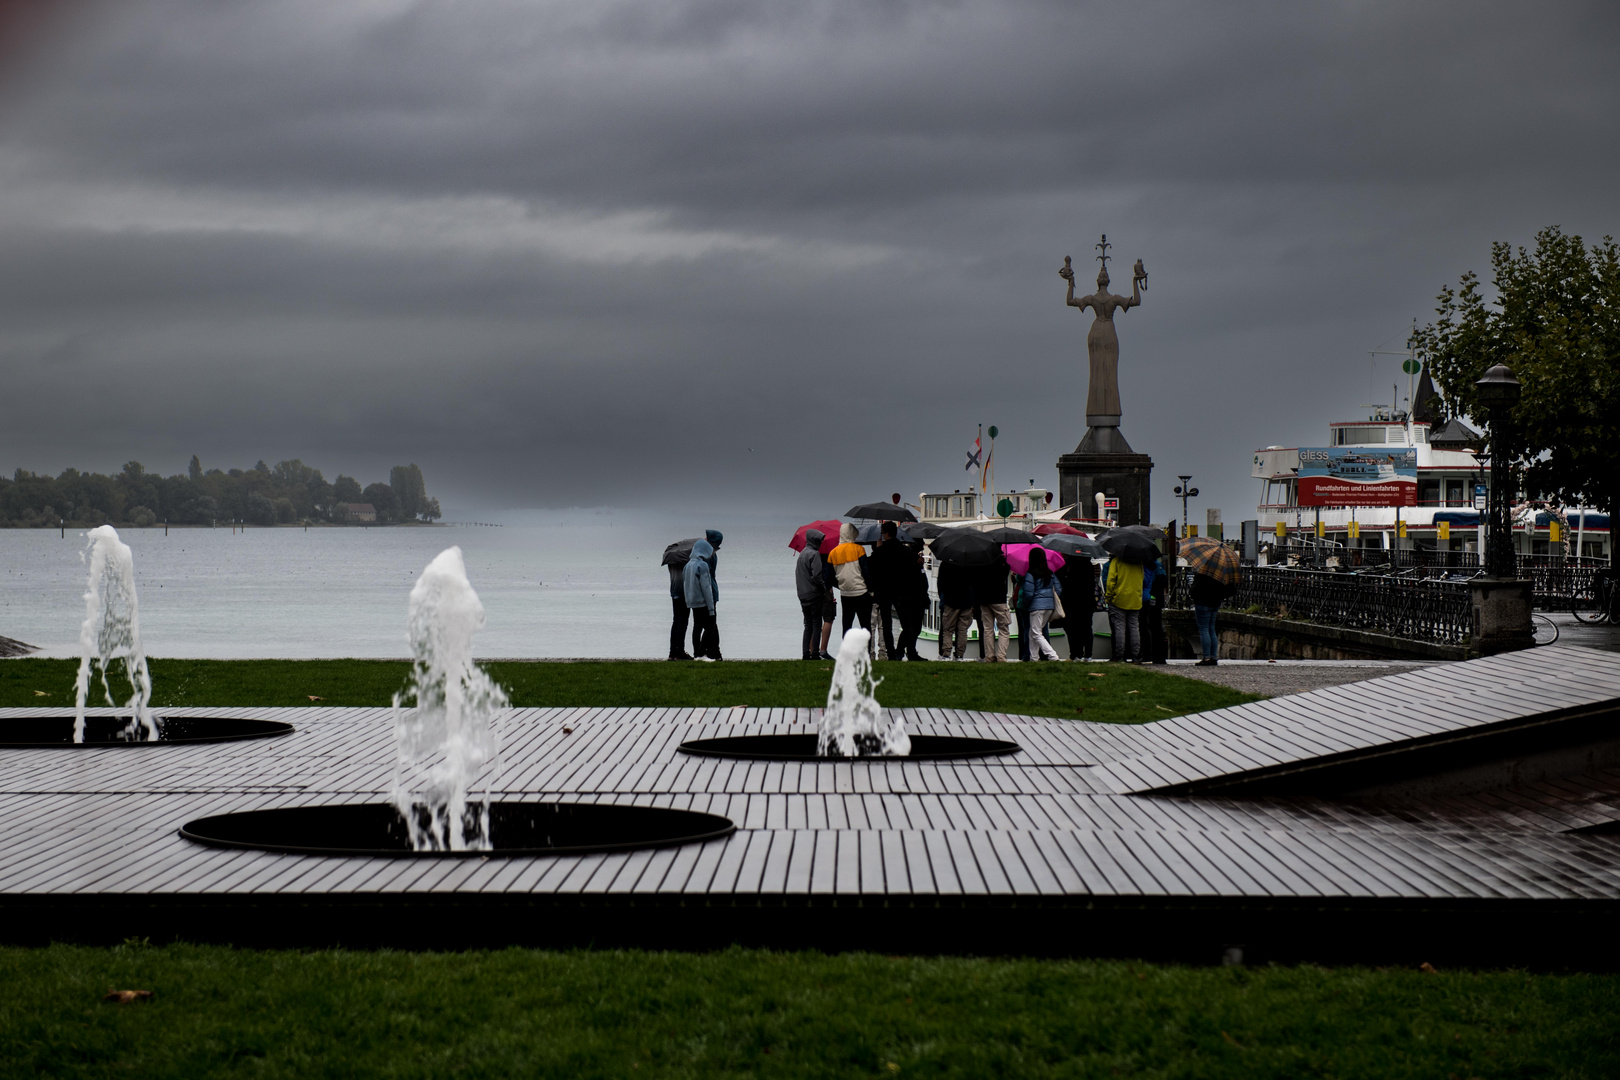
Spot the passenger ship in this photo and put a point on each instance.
(1451, 488)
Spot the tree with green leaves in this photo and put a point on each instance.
(1555, 321)
(409, 488)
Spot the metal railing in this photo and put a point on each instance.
(1561, 583)
(1431, 609)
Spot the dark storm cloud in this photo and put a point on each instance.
(613, 252)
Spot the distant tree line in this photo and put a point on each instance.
(286, 494)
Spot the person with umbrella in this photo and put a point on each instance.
(902, 589)
(1215, 576)
(990, 608)
(813, 579)
(896, 568)
(1122, 592)
(1150, 620)
(676, 557)
(850, 568)
(1039, 594)
(1079, 581)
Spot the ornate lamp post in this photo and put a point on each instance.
(1499, 392)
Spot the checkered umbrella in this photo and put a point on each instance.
(1208, 556)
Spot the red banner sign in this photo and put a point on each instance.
(1331, 491)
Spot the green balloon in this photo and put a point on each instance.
(993, 431)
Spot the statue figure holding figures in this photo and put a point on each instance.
(1102, 397)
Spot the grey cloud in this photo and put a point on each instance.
(738, 251)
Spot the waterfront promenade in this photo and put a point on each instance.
(1438, 805)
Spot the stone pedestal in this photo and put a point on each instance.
(1501, 620)
(1105, 462)
(1124, 477)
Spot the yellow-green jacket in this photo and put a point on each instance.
(1123, 589)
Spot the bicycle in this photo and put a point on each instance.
(1605, 593)
(1545, 630)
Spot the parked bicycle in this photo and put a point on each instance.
(1607, 597)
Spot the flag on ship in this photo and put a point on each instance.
(974, 455)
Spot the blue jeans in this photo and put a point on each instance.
(1208, 640)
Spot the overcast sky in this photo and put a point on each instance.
(728, 254)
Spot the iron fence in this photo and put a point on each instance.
(1432, 609)
(1561, 583)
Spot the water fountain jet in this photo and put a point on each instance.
(111, 632)
(853, 727)
(442, 799)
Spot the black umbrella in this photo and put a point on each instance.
(870, 532)
(881, 512)
(966, 547)
(680, 552)
(1009, 535)
(1130, 545)
(1069, 544)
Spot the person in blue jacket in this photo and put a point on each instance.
(1039, 595)
(701, 599)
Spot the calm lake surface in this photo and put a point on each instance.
(581, 584)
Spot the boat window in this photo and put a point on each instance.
(1370, 435)
(1454, 493)
(956, 507)
(1428, 493)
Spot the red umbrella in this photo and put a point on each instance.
(829, 535)
(1056, 527)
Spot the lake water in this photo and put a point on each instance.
(585, 584)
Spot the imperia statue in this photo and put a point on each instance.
(1102, 398)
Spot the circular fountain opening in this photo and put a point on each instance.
(101, 732)
(803, 748)
(516, 829)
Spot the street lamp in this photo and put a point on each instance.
(1498, 391)
(1186, 493)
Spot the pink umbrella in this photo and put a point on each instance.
(1018, 557)
(1050, 527)
(829, 535)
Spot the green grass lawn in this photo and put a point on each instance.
(223, 1012)
(1098, 692)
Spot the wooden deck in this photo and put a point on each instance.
(1076, 831)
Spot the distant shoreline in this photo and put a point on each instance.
(124, 526)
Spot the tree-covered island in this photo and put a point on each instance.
(288, 493)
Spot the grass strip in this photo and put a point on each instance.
(1098, 692)
(217, 1011)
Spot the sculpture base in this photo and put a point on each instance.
(1123, 476)
(1502, 609)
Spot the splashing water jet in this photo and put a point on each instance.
(854, 724)
(112, 631)
(445, 742)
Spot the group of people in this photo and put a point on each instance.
(890, 584)
(994, 597)
(889, 581)
(694, 592)
(1135, 594)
